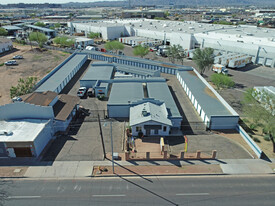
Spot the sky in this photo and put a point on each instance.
(44, 1)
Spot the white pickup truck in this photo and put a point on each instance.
(219, 68)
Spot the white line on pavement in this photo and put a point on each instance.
(121, 195)
(240, 90)
(192, 194)
(23, 197)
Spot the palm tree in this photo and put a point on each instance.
(203, 58)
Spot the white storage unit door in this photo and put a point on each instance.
(268, 62)
(260, 60)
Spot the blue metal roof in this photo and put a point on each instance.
(99, 73)
(11, 27)
(40, 28)
(208, 101)
(137, 70)
(125, 92)
(59, 76)
(160, 91)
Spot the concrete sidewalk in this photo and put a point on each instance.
(82, 169)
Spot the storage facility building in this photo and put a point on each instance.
(213, 110)
(160, 91)
(57, 79)
(121, 97)
(98, 77)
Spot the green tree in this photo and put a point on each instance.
(40, 38)
(3, 32)
(114, 45)
(259, 108)
(64, 41)
(222, 81)
(203, 58)
(41, 24)
(24, 86)
(94, 35)
(57, 25)
(140, 51)
(175, 52)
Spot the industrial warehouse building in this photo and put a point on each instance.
(259, 43)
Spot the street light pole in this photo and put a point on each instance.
(112, 147)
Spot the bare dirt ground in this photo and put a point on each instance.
(35, 63)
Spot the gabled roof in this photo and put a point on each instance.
(149, 112)
(64, 106)
(40, 98)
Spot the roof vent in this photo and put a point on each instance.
(144, 112)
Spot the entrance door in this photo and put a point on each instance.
(148, 132)
(23, 152)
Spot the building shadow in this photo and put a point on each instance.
(147, 190)
(55, 147)
(131, 171)
(76, 77)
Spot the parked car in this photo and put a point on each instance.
(82, 92)
(103, 50)
(11, 62)
(18, 57)
(16, 99)
(152, 49)
(90, 92)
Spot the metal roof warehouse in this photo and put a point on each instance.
(209, 104)
(62, 74)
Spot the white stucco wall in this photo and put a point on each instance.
(21, 110)
(152, 132)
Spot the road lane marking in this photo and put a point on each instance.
(119, 195)
(23, 197)
(192, 194)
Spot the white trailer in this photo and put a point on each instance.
(220, 69)
(238, 62)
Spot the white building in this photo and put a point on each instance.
(251, 40)
(5, 45)
(150, 119)
(27, 127)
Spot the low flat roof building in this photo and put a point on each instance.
(121, 97)
(25, 137)
(160, 91)
(56, 80)
(212, 108)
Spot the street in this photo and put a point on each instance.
(187, 190)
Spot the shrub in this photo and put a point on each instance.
(256, 139)
(2, 64)
(267, 138)
(222, 81)
(252, 126)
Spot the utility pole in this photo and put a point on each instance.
(101, 135)
(112, 147)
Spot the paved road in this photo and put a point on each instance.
(213, 190)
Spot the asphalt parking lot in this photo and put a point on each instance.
(206, 143)
(83, 141)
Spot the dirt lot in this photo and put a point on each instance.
(35, 63)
